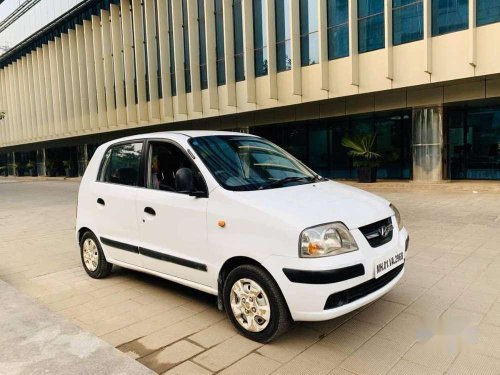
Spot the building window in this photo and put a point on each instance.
(203, 44)
(158, 52)
(370, 25)
(219, 43)
(144, 36)
(449, 16)
(259, 37)
(338, 28)
(407, 21)
(185, 34)
(171, 51)
(239, 52)
(283, 47)
(309, 36)
(488, 11)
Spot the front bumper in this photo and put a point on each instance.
(308, 301)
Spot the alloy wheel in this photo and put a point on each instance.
(250, 305)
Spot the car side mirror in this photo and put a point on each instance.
(184, 183)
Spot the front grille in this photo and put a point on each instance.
(361, 290)
(372, 232)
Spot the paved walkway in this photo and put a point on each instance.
(443, 317)
(35, 340)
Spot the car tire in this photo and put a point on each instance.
(249, 316)
(93, 260)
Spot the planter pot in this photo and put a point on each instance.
(367, 174)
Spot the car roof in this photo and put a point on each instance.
(177, 135)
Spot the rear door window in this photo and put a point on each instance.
(121, 164)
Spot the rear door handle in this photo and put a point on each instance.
(101, 201)
(150, 211)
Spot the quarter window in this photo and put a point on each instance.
(122, 164)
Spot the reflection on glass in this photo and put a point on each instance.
(449, 16)
(371, 33)
(283, 48)
(260, 35)
(185, 33)
(203, 44)
(488, 11)
(219, 43)
(309, 39)
(338, 29)
(239, 60)
(407, 21)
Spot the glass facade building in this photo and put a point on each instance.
(91, 76)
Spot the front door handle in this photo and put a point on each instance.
(101, 201)
(150, 211)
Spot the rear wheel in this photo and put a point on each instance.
(93, 258)
(254, 304)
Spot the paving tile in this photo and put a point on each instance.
(226, 353)
(286, 347)
(437, 353)
(316, 360)
(403, 329)
(409, 368)
(467, 364)
(188, 368)
(404, 294)
(380, 312)
(377, 356)
(170, 356)
(215, 334)
(252, 364)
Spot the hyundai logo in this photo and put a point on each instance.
(385, 230)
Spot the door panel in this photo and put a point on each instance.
(172, 225)
(114, 199)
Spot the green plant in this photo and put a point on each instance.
(49, 164)
(30, 165)
(66, 164)
(362, 150)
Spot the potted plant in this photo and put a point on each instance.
(68, 170)
(365, 159)
(50, 170)
(30, 166)
(3, 171)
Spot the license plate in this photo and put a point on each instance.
(388, 262)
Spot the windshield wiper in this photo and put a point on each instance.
(283, 181)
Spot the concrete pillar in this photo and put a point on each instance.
(11, 163)
(40, 162)
(427, 144)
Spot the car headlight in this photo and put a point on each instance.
(398, 216)
(326, 240)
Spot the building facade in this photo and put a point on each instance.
(423, 75)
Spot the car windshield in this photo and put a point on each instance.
(246, 163)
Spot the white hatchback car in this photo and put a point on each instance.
(236, 216)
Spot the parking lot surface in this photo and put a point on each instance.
(443, 317)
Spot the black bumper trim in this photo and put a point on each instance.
(359, 291)
(324, 277)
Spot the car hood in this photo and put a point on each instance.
(318, 203)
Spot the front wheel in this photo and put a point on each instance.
(254, 304)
